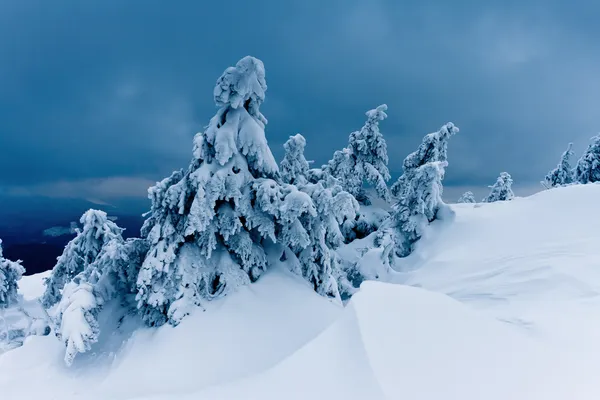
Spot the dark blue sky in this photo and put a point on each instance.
(100, 98)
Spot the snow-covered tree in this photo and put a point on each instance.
(563, 173)
(10, 273)
(320, 263)
(501, 190)
(111, 276)
(365, 159)
(294, 164)
(588, 166)
(79, 253)
(467, 197)
(418, 205)
(208, 224)
(433, 148)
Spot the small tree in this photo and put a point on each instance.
(111, 276)
(79, 253)
(365, 159)
(10, 273)
(563, 173)
(501, 190)
(467, 197)
(294, 163)
(588, 166)
(418, 205)
(433, 148)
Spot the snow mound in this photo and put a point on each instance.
(507, 308)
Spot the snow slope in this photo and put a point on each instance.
(506, 307)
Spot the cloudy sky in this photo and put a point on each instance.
(100, 98)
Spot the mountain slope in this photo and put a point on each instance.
(506, 307)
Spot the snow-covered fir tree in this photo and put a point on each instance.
(112, 275)
(364, 160)
(97, 230)
(467, 197)
(433, 148)
(563, 173)
(501, 190)
(10, 273)
(588, 166)
(294, 163)
(418, 205)
(208, 225)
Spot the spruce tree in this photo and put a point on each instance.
(364, 160)
(418, 205)
(563, 173)
(501, 190)
(10, 274)
(208, 224)
(79, 253)
(433, 148)
(467, 197)
(588, 166)
(294, 163)
(112, 275)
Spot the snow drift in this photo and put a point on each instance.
(502, 304)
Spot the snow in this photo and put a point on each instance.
(503, 304)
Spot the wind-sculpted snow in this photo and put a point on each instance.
(506, 309)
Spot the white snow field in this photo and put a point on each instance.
(506, 306)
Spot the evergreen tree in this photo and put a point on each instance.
(588, 166)
(563, 173)
(501, 190)
(111, 276)
(294, 164)
(10, 273)
(418, 205)
(433, 148)
(79, 253)
(208, 225)
(467, 197)
(365, 159)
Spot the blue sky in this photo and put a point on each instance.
(100, 98)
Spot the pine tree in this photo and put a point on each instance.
(79, 253)
(467, 197)
(207, 225)
(418, 205)
(294, 164)
(501, 190)
(10, 273)
(433, 148)
(365, 159)
(588, 166)
(563, 173)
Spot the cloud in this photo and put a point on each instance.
(98, 191)
(81, 103)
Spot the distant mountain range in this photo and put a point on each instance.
(36, 229)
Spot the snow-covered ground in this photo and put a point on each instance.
(503, 304)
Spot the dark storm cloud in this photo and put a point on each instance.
(115, 90)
